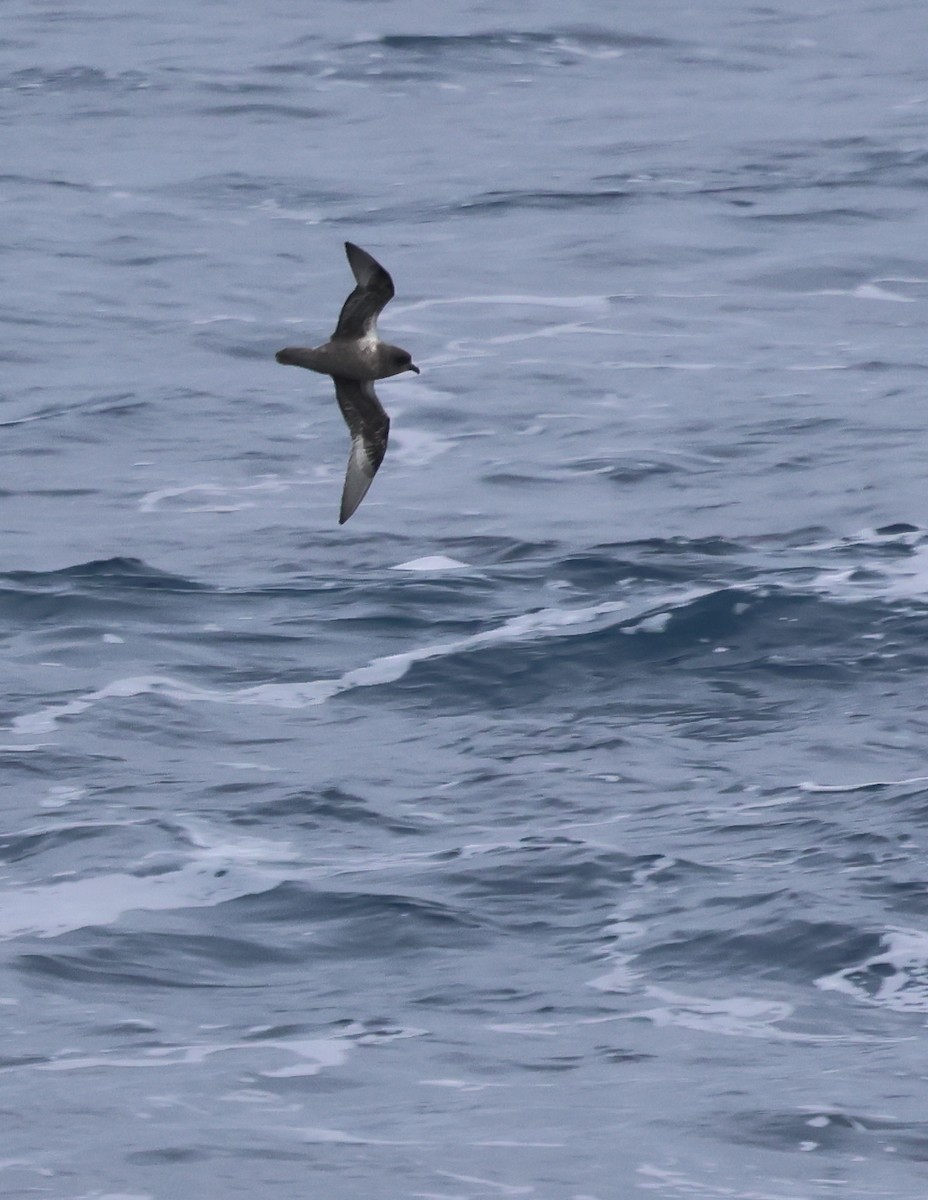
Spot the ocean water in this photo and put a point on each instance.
(556, 828)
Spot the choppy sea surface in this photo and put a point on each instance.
(556, 828)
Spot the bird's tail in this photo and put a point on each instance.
(300, 356)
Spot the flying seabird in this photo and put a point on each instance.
(355, 356)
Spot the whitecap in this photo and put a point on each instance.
(526, 627)
(872, 291)
(220, 868)
(896, 977)
(733, 1016)
(431, 562)
(866, 786)
(70, 904)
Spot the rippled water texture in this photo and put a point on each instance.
(556, 828)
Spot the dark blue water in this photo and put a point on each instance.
(556, 828)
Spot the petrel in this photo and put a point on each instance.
(355, 356)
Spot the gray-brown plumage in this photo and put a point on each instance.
(355, 356)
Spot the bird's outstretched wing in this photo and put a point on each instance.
(360, 311)
(370, 427)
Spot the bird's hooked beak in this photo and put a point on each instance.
(413, 367)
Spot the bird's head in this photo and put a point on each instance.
(400, 360)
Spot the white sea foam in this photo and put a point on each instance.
(906, 579)
(867, 786)
(546, 331)
(674, 1183)
(896, 977)
(731, 1016)
(70, 904)
(504, 1189)
(116, 1196)
(526, 627)
(221, 317)
(734, 1016)
(462, 1085)
(279, 212)
(151, 501)
(530, 626)
(905, 535)
(46, 719)
(416, 447)
(621, 976)
(220, 868)
(430, 563)
(872, 575)
(311, 1055)
(316, 1134)
(528, 1028)
(872, 291)
(512, 1143)
(590, 303)
(656, 623)
(247, 766)
(61, 795)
